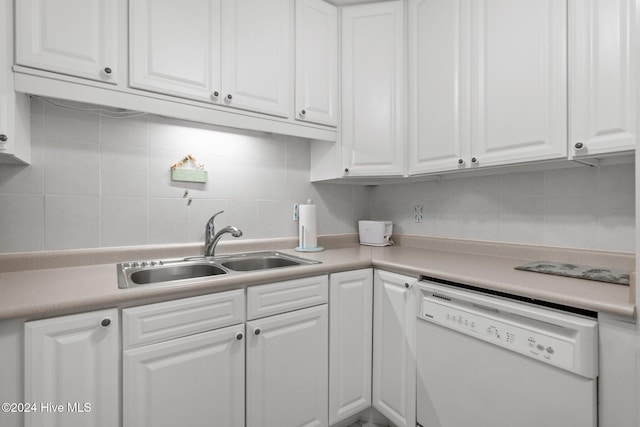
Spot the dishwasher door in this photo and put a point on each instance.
(475, 377)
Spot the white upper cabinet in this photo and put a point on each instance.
(316, 62)
(518, 81)
(602, 72)
(74, 37)
(438, 99)
(175, 47)
(487, 83)
(15, 111)
(257, 55)
(373, 89)
(236, 53)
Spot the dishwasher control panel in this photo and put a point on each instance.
(548, 343)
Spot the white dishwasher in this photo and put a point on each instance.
(487, 361)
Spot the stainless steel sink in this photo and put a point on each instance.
(253, 261)
(175, 271)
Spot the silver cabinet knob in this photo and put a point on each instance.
(256, 331)
(303, 113)
(346, 170)
(239, 336)
(3, 138)
(215, 94)
(474, 160)
(579, 146)
(461, 161)
(407, 285)
(107, 70)
(105, 322)
(229, 97)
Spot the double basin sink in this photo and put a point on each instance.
(138, 273)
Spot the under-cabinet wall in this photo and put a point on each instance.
(585, 207)
(97, 181)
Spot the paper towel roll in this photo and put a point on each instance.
(308, 235)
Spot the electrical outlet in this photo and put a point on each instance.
(417, 214)
(296, 212)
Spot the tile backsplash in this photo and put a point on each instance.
(97, 181)
(583, 207)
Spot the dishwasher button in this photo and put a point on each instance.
(550, 350)
(540, 347)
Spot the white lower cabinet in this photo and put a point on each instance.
(350, 340)
(193, 381)
(287, 369)
(183, 362)
(71, 370)
(394, 364)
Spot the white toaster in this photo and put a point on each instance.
(375, 233)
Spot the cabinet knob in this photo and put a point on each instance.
(215, 94)
(3, 138)
(229, 97)
(239, 336)
(461, 161)
(303, 113)
(105, 322)
(579, 146)
(474, 160)
(407, 285)
(256, 331)
(346, 170)
(107, 70)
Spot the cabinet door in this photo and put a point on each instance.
(317, 62)
(74, 37)
(15, 108)
(518, 80)
(602, 74)
(287, 369)
(257, 55)
(394, 364)
(192, 381)
(350, 340)
(175, 47)
(373, 89)
(439, 85)
(73, 361)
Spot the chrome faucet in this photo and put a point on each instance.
(211, 238)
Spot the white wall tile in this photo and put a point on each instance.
(271, 218)
(71, 222)
(242, 180)
(124, 172)
(72, 169)
(21, 223)
(271, 181)
(124, 221)
(130, 132)
(115, 178)
(25, 179)
(168, 221)
(70, 125)
(244, 215)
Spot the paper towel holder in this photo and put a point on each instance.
(307, 236)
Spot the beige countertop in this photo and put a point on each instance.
(45, 292)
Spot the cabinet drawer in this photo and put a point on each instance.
(266, 300)
(154, 323)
